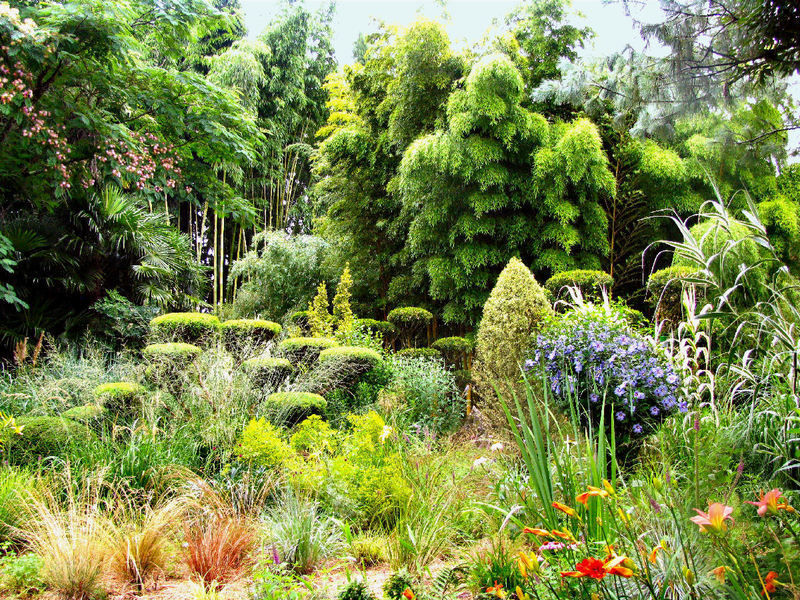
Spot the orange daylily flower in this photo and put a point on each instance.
(565, 509)
(661, 547)
(536, 531)
(719, 573)
(769, 503)
(497, 590)
(528, 563)
(408, 594)
(522, 595)
(592, 492)
(564, 535)
(769, 583)
(598, 569)
(714, 520)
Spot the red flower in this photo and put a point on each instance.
(769, 583)
(588, 567)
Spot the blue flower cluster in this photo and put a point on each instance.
(592, 355)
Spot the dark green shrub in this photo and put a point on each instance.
(290, 408)
(121, 400)
(237, 334)
(355, 590)
(456, 350)
(386, 330)
(420, 353)
(192, 328)
(87, 413)
(664, 291)
(263, 371)
(398, 583)
(410, 321)
(304, 350)
(300, 318)
(590, 283)
(352, 358)
(46, 436)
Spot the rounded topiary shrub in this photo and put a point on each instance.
(344, 364)
(305, 350)
(300, 319)
(238, 334)
(291, 408)
(178, 352)
(590, 283)
(516, 309)
(192, 328)
(46, 436)
(456, 350)
(168, 363)
(87, 413)
(420, 353)
(122, 400)
(410, 321)
(665, 290)
(263, 371)
(385, 329)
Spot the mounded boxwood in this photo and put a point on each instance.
(192, 328)
(238, 333)
(264, 370)
(121, 399)
(455, 349)
(300, 318)
(174, 351)
(384, 328)
(409, 321)
(420, 353)
(45, 436)
(305, 349)
(168, 362)
(291, 408)
(86, 413)
(589, 282)
(353, 358)
(664, 290)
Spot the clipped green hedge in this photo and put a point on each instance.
(409, 315)
(264, 370)
(192, 328)
(174, 351)
(238, 333)
(353, 358)
(420, 353)
(305, 349)
(290, 408)
(46, 436)
(300, 318)
(86, 413)
(590, 283)
(121, 399)
(453, 345)
(384, 328)
(664, 290)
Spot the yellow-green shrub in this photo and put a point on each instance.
(590, 283)
(261, 444)
(313, 435)
(515, 310)
(45, 436)
(121, 400)
(289, 408)
(239, 333)
(409, 321)
(192, 328)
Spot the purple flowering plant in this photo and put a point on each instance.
(592, 356)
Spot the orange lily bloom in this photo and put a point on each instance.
(714, 520)
(408, 594)
(528, 563)
(564, 535)
(719, 573)
(769, 503)
(769, 583)
(565, 509)
(592, 492)
(598, 569)
(536, 531)
(497, 590)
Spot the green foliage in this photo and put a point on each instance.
(431, 353)
(15, 486)
(590, 283)
(313, 435)
(355, 590)
(238, 334)
(781, 217)
(409, 321)
(384, 328)
(86, 413)
(263, 371)
(368, 550)
(351, 358)
(456, 350)
(515, 310)
(290, 408)
(398, 582)
(21, 574)
(423, 396)
(122, 400)
(191, 328)
(300, 318)
(320, 320)
(278, 273)
(122, 323)
(342, 313)
(43, 437)
(305, 349)
(262, 444)
(176, 351)
(665, 292)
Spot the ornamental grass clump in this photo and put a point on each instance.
(594, 358)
